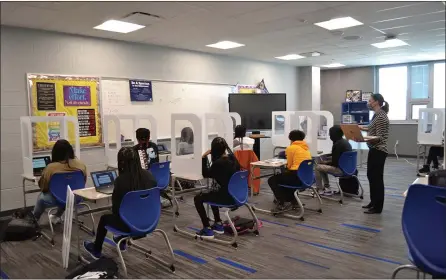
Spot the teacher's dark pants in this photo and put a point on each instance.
(375, 173)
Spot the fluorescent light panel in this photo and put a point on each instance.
(225, 45)
(290, 57)
(119, 26)
(392, 43)
(333, 65)
(339, 23)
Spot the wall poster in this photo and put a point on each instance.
(140, 90)
(59, 95)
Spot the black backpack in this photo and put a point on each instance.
(21, 226)
(437, 178)
(104, 268)
(349, 185)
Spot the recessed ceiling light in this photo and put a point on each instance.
(225, 45)
(390, 44)
(290, 57)
(119, 26)
(315, 54)
(339, 23)
(333, 65)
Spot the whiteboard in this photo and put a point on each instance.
(168, 98)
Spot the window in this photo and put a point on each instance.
(416, 110)
(439, 85)
(411, 87)
(419, 81)
(393, 87)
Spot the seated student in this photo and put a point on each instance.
(432, 157)
(297, 152)
(62, 160)
(241, 142)
(330, 165)
(131, 178)
(148, 149)
(186, 145)
(224, 165)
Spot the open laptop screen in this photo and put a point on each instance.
(103, 178)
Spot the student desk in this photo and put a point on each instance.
(256, 147)
(273, 164)
(425, 145)
(29, 178)
(420, 180)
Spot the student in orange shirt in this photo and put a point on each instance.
(297, 152)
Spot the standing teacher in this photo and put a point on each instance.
(379, 127)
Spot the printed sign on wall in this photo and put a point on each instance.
(55, 95)
(140, 90)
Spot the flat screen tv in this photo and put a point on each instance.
(255, 109)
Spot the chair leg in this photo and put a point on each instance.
(301, 206)
(169, 247)
(254, 217)
(91, 216)
(406, 266)
(361, 196)
(51, 226)
(233, 242)
(340, 191)
(120, 255)
(318, 198)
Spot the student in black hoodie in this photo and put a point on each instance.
(131, 178)
(330, 165)
(224, 165)
(146, 149)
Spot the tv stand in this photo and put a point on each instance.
(256, 147)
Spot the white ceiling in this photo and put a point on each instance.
(268, 29)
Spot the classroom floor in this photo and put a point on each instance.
(340, 243)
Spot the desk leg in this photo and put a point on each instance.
(79, 257)
(360, 158)
(251, 180)
(256, 147)
(24, 193)
(418, 158)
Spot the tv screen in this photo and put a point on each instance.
(255, 109)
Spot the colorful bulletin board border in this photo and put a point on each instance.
(65, 95)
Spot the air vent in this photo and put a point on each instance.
(352, 38)
(142, 18)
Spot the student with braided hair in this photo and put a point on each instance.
(223, 166)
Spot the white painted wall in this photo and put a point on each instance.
(25, 51)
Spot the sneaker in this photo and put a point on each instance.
(218, 228)
(89, 247)
(321, 192)
(123, 245)
(206, 233)
(55, 220)
(425, 169)
(282, 207)
(328, 192)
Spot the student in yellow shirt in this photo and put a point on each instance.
(297, 152)
(62, 160)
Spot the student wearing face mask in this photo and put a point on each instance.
(331, 163)
(379, 126)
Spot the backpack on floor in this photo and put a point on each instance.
(104, 268)
(349, 185)
(242, 225)
(21, 226)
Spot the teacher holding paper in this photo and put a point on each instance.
(379, 127)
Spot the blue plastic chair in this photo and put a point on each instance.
(140, 211)
(58, 188)
(424, 228)
(238, 190)
(347, 163)
(305, 173)
(161, 172)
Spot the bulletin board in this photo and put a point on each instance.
(60, 95)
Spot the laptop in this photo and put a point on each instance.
(162, 150)
(353, 133)
(104, 180)
(39, 164)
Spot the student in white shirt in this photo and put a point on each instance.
(186, 145)
(241, 142)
